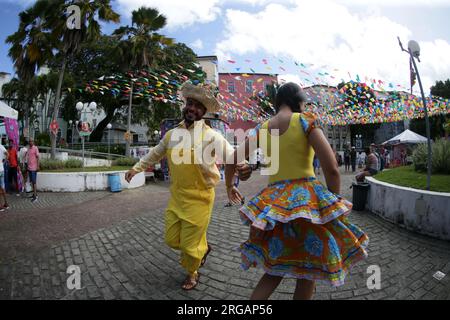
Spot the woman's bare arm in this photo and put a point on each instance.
(327, 159)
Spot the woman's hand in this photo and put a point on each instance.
(234, 196)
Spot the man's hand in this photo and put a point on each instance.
(234, 196)
(244, 171)
(130, 174)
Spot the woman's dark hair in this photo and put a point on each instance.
(367, 151)
(291, 95)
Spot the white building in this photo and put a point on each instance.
(209, 65)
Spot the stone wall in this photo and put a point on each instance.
(425, 212)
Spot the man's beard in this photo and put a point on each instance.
(190, 117)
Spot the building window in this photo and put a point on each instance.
(249, 86)
(231, 87)
(94, 123)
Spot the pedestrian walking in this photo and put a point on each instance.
(33, 167)
(13, 164)
(353, 159)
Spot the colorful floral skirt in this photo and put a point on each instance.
(300, 229)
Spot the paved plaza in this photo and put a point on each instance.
(117, 240)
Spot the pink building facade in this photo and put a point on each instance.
(236, 90)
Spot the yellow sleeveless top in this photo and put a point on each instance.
(295, 153)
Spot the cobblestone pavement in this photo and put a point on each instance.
(129, 260)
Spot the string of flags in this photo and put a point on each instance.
(359, 101)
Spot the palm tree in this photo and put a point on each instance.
(31, 48)
(41, 31)
(141, 43)
(141, 46)
(70, 40)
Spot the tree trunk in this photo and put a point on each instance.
(97, 133)
(56, 107)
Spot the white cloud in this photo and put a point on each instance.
(179, 13)
(396, 3)
(197, 44)
(327, 33)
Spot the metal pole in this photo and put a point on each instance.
(127, 145)
(427, 123)
(82, 142)
(109, 142)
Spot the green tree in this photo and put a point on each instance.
(43, 30)
(71, 39)
(266, 99)
(438, 122)
(31, 48)
(140, 44)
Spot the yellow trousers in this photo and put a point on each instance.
(188, 214)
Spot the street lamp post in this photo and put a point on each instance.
(414, 52)
(71, 125)
(109, 126)
(130, 102)
(85, 131)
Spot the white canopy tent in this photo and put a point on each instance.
(406, 136)
(8, 112)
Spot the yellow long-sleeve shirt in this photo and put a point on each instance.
(207, 144)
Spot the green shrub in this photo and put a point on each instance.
(73, 163)
(420, 157)
(440, 157)
(127, 162)
(114, 149)
(43, 140)
(49, 164)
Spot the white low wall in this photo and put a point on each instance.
(424, 212)
(83, 181)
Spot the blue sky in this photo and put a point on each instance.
(343, 38)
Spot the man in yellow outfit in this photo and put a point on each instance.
(194, 175)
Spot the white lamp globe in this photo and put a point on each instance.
(79, 106)
(414, 47)
(92, 106)
(70, 122)
(156, 132)
(109, 126)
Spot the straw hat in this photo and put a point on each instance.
(203, 93)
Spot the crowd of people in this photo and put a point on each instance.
(372, 160)
(21, 168)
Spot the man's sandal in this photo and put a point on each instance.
(204, 257)
(190, 283)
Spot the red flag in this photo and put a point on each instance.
(413, 74)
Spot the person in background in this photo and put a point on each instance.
(347, 159)
(371, 168)
(3, 157)
(13, 164)
(33, 167)
(353, 159)
(23, 163)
